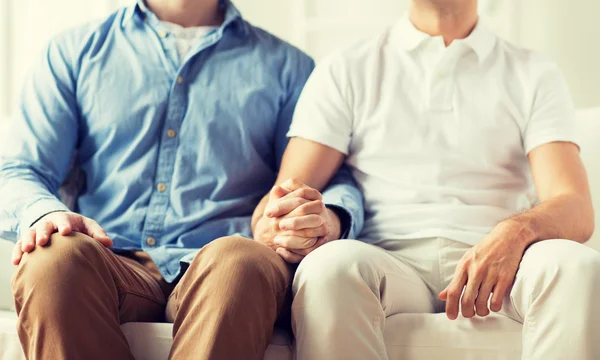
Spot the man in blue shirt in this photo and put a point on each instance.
(178, 141)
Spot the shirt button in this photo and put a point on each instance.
(161, 187)
(151, 241)
(171, 133)
(179, 79)
(162, 33)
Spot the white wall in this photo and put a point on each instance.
(568, 31)
(31, 23)
(565, 29)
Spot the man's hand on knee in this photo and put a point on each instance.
(296, 221)
(485, 273)
(57, 222)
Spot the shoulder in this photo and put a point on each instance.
(275, 51)
(360, 58)
(531, 66)
(76, 43)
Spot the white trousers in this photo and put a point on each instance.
(344, 291)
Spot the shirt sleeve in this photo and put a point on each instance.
(301, 70)
(323, 113)
(553, 113)
(38, 147)
(342, 193)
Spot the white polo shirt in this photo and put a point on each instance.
(437, 137)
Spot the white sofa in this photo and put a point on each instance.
(408, 336)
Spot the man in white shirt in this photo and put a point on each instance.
(447, 128)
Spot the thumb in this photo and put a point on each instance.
(278, 192)
(443, 295)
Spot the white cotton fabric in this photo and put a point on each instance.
(186, 37)
(375, 301)
(437, 137)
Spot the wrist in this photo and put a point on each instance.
(522, 231)
(336, 223)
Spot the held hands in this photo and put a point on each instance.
(62, 222)
(295, 221)
(486, 270)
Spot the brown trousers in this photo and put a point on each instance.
(73, 294)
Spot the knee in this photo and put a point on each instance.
(241, 262)
(339, 263)
(571, 262)
(56, 268)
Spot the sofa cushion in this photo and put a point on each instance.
(407, 336)
(6, 271)
(148, 341)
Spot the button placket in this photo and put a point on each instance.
(441, 88)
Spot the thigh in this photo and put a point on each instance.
(233, 264)
(79, 259)
(397, 285)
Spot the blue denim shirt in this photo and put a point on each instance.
(175, 153)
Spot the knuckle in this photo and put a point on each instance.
(478, 272)
(320, 221)
(274, 225)
(453, 293)
(465, 264)
(481, 300)
(309, 242)
(505, 278)
(481, 305)
(305, 233)
(304, 192)
(322, 230)
(302, 211)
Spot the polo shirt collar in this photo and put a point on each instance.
(480, 40)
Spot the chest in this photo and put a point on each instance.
(133, 96)
(452, 112)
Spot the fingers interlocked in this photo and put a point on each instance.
(297, 214)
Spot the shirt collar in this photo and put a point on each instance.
(233, 17)
(480, 40)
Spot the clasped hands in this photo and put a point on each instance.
(295, 221)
